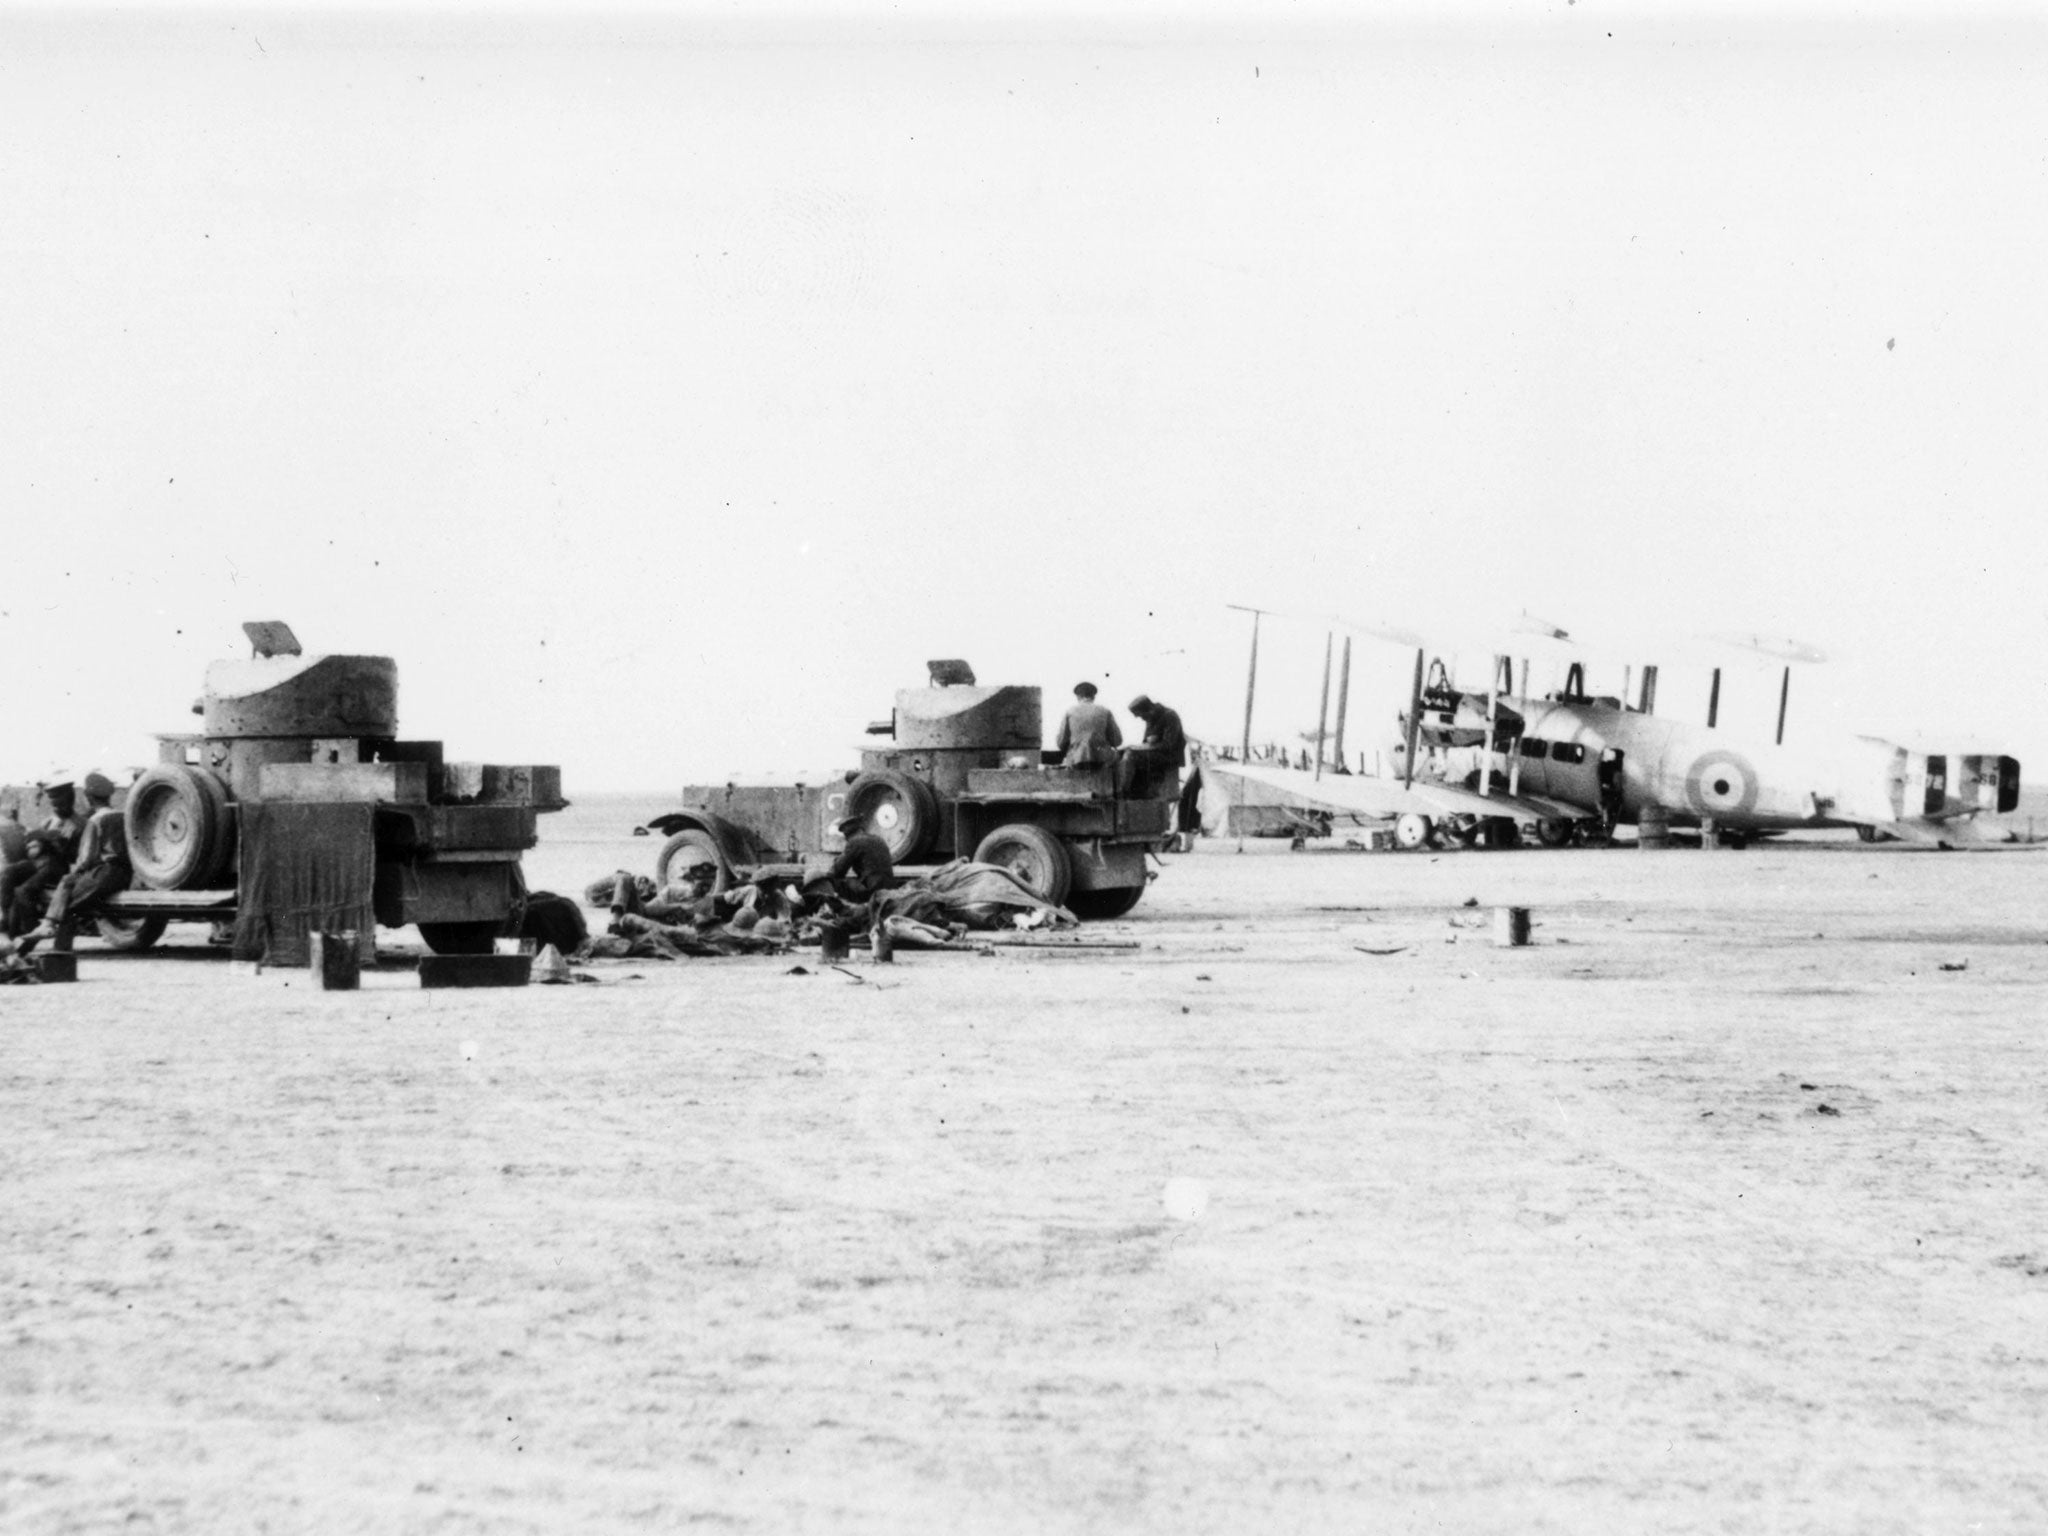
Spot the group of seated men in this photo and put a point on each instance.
(770, 911)
(71, 861)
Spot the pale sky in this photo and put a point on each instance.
(663, 388)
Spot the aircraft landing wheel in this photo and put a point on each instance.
(1552, 833)
(1413, 830)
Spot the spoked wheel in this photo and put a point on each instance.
(1412, 829)
(690, 849)
(1101, 906)
(902, 811)
(1037, 858)
(479, 938)
(130, 932)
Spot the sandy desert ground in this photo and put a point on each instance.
(1719, 1207)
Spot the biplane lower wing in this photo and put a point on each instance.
(1361, 797)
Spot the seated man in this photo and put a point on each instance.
(31, 879)
(66, 823)
(1089, 733)
(102, 870)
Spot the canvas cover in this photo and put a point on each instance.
(306, 868)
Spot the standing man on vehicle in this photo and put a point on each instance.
(1162, 752)
(1089, 734)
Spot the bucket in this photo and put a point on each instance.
(1510, 927)
(1653, 827)
(57, 965)
(884, 946)
(831, 944)
(333, 958)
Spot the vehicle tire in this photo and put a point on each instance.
(1552, 833)
(472, 938)
(1037, 858)
(1412, 829)
(1101, 906)
(1503, 832)
(130, 932)
(690, 847)
(902, 811)
(181, 829)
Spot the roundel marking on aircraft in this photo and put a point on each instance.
(1721, 783)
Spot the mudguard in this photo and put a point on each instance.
(736, 845)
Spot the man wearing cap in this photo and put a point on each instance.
(102, 870)
(864, 865)
(1089, 733)
(1163, 751)
(25, 883)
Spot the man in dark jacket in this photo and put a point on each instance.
(102, 870)
(1156, 761)
(864, 866)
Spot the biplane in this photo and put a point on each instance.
(1617, 758)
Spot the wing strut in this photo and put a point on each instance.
(1414, 725)
(1323, 711)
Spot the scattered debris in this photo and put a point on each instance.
(1808, 1087)
(1825, 1109)
(796, 970)
(1471, 901)
(1397, 949)
(1960, 965)
(1202, 977)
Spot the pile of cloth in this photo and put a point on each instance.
(971, 895)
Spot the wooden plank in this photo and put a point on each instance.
(172, 904)
(379, 783)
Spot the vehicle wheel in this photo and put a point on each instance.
(181, 832)
(1412, 829)
(1100, 906)
(1037, 858)
(1866, 834)
(1503, 832)
(476, 938)
(1552, 833)
(902, 811)
(688, 848)
(130, 932)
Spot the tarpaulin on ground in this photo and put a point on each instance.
(306, 869)
(979, 895)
